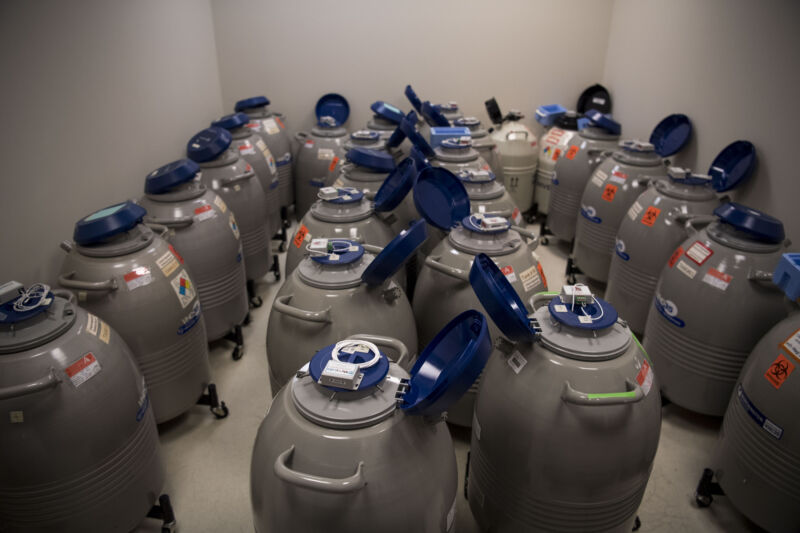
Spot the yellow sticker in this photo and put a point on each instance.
(220, 203)
(167, 263)
(105, 332)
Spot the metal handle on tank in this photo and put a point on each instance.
(371, 248)
(282, 306)
(323, 484)
(301, 136)
(64, 293)
(534, 240)
(15, 391)
(160, 228)
(540, 297)
(65, 280)
(691, 220)
(389, 342)
(237, 178)
(634, 394)
(596, 156)
(510, 133)
(453, 272)
(181, 222)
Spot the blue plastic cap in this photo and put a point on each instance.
(341, 248)
(332, 105)
(473, 223)
(372, 159)
(413, 98)
(440, 197)
(107, 222)
(760, 225)
(409, 128)
(602, 313)
(733, 165)
(419, 159)
(671, 135)
(547, 114)
(500, 299)
(787, 275)
(448, 365)
(39, 298)
(396, 138)
(208, 144)
(346, 195)
(604, 121)
(395, 254)
(165, 178)
(387, 111)
(433, 116)
(396, 186)
(250, 103)
(232, 121)
(372, 375)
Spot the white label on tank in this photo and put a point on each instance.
(476, 426)
(167, 263)
(635, 209)
(138, 277)
(338, 183)
(599, 178)
(699, 252)
(220, 203)
(517, 361)
(451, 514)
(560, 308)
(247, 148)
(583, 319)
(273, 167)
(717, 279)
(255, 125)
(352, 248)
(792, 345)
(237, 187)
(516, 216)
(16, 417)
(508, 272)
(105, 332)
(481, 209)
(353, 234)
(645, 377)
(204, 212)
(684, 267)
(183, 287)
(270, 126)
(83, 369)
(325, 153)
(530, 279)
(92, 322)
(234, 227)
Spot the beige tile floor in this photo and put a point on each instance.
(208, 461)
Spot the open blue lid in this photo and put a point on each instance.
(396, 186)
(396, 138)
(413, 98)
(433, 116)
(332, 105)
(372, 375)
(208, 144)
(601, 314)
(448, 365)
(344, 195)
(500, 299)
(787, 275)
(440, 197)
(546, 115)
(604, 121)
(387, 111)
(250, 103)
(372, 159)
(420, 161)
(395, 254)
(344, 252)
(671, 134)
(165, 178)
(232, 121)
(760, 225)
(733, 165)
(107, 222)
(409, 128)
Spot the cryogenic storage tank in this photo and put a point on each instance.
(551, 146)
(568, 414)
(713, 302)
(481, 141)
(364, 170)
(385, 119)
(370, 140)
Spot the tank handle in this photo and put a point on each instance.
(162, 229)
(64, 293)
(180, 222)
(534, 240)
(516, 132)
(282, 306)
(15, 391)
(541, 297)
(389, 342)
(65, 280)
(239, 177)
(371, 248)
(596, 156)
(689, 222)
(323, 484)
(453, 272)
(759, 276)
(632, 394)
(301, 136)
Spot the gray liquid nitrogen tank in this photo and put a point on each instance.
(320, 152)
(613, 188)
(79, 444)
(364, 169)
(757, 458)
(202, 234)
(568, 415)
(271, 126)
(339, 213)
(481, 141)
(713, 302)
(442, 289)
(368, 139)
(123, 272)
(226, 173)
(337, 291)
(573, 169)
(657, 223)
(356, 443)
(554, 141)
(385, 119)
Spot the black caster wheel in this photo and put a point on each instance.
(529, 218)
(256, 302)
(237, 353)
(247, 320)
(282, 247)
(636, 524)
(221, 412)
(544, 241)
(163, 511)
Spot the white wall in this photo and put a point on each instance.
(733, 67)
(95, 94)
(295, 51)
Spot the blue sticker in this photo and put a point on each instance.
(190, 320)
(620, 249)
(555, 181)
(285, 160)
(239, 257)
(273, 184)
(761, 419)
(669, 310)
(143, 407)
(590, 214)
(316, 183)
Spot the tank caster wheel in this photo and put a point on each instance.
(238, 353)
(236, 337)
(636, 524)
(255, 299)
(276, 268)
(211, 398)
(466, 479)
(530, 217)
(247, 320)
(544, 241)
(163, 511)
(282, 247)
(707, 489)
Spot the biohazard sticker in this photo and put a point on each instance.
(300, 236)
(687, 271)
(572, 152)
(650, 216)
(556, 154)
(219, 202)
(270, 126)
(599, 178)
(779, 371)
(183, 288)
(138, 277)
(530, 279)
(92, 323)
(645, 377)
(204, 212)
(105, 332)
(717, 279)
(83, 369)
(167, 263)
(675, 256)
(792, 345)
(325, 153)
(609, 192)
(699, 252)
(234, 226)
(247, 148)
(508, 272)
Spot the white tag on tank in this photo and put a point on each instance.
(583, 319)
(270, 126)
(599, 177)
(688, 271)
(634, 211)
(517, 362)
(325, 153)
(560, 308)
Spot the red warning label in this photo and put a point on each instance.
(541, 275)
(83, 369)
(176, 254)
(675, 256)
(650, 216)
(300, 236)
(699, 252)
(609, 192)
(556, 154)
(779, 371)
(333, 163)
(572, 152)
(280, 122)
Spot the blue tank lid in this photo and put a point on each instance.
(413, 98)
(409, 128)
(433, 115)
(29, 303)
(365, 135)
(546, 115)
(420, 161)
(232, 121)
(733, 165)
(372, 159)
(396, 186)
(395, 254)
(475, 224)
(604, 121)
(500, 299)
(343, 250)
(396, 138)
(440, 197)
(457, 143)
(344, 195)
(332, 105)
(671, 134)
(448, 365)
(165, 178)
(208, 144)
(372, 375)
(760, 225)
(787, 275)
(685, 176)
(249, 103)
(107, 222)
(387, 111)
(601, 314)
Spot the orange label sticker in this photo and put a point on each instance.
(280, 122)
(609, 192)
(675, 256)
(176, 254)
(779, 371)
(541, 275)
(572, 152)
(650, 216)
(556, 154)
(333, 163)
(300, 236)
